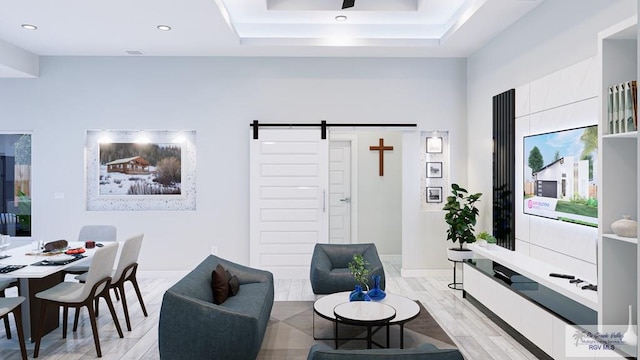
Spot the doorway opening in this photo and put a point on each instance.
(342, 194)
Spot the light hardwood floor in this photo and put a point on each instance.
(477, 337)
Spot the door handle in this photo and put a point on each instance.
(346, 200)
(324, 201)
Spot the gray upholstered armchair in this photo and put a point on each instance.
(330, 266)
(191, 326)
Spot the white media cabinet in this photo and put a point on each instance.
(535, 312)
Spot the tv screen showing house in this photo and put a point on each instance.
(560, 175)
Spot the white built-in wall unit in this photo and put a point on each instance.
(566, 99)
(618, 193)
(571, 98)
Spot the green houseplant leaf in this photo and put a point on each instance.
(359, 270)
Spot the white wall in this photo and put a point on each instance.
(380, 197)
(553, 36)
(217, 97)
(565, 99)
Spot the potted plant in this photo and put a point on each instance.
(492, 243)
(461, 216)
(484, 238)
(359, 270)
(360, 273)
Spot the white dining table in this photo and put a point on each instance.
(33, 279)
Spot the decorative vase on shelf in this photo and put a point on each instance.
(376, 293)
(625, 227)
(359, 295)
(629, 337)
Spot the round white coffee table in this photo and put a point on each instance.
(405, 308)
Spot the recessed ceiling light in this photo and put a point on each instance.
(341, 18)
(164, 27)
(29, 27)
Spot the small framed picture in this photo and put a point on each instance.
(434, 169)
(434, 145)
(434, 194)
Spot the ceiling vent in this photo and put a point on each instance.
(134, 52)
(348, 4)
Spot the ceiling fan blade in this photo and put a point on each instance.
(348, 4)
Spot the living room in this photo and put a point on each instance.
(218, 97)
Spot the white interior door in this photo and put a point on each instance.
(288, 199)
(340, 192)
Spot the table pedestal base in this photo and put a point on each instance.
(31, 307)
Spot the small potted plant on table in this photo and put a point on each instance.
(360, 272)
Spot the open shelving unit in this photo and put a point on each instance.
(618, 178)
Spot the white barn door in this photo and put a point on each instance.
(288, 199)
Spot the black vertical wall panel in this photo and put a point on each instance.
(504, 116)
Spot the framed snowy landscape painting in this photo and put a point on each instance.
(140, 169)
(137, 171)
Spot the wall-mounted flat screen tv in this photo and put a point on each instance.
(560, 175)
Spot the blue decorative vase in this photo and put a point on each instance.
(376, 293)
(359, 295)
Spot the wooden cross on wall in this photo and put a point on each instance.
(381, 149)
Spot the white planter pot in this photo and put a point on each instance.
(482, 242)
(455, 254)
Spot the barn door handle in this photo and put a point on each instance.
(324, 201)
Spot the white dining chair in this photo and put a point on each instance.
(125, 271)
(13, 305)
(99, 234)
(74, 294)
(4, 284)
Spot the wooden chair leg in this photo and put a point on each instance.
(94, 326)
(17, 315)
(107, 298)
(134, 281)
(65, 314)
(43, 310)
(7, 327)
(76, 318)
(124, 306)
